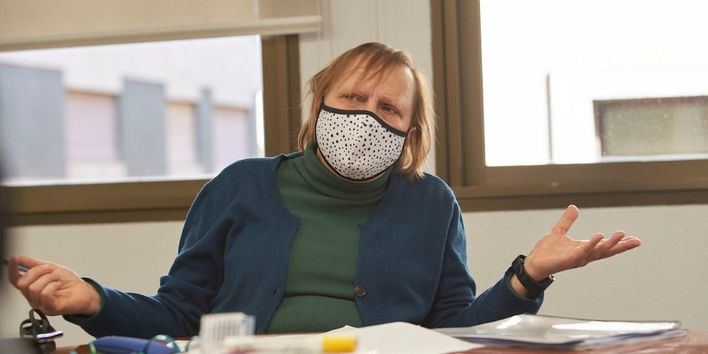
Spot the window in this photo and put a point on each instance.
(153, 138)
(138, 146)
(543, 81)
(125, 111)
(537, 117)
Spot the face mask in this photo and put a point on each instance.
(357, 144)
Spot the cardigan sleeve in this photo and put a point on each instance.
(184, 294)
(455, 304)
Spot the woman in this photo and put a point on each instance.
(347, 231)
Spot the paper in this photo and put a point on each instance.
(404, 338)
(561, 332)
(394, 338)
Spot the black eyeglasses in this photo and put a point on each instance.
(40, 331)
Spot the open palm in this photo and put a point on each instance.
(557, 251)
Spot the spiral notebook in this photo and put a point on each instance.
(543, 331)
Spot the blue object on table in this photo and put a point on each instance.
(129, 345)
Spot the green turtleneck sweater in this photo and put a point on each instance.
(319, 294)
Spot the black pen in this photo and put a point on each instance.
(20, 267)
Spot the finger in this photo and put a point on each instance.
(29, 262)
(35, 289)
(14, 272)
(606, 245)
(566, 220)
(624, 245)
(48, 300)
(633, 239)
(583, 253)
(589, 247)
(32, 275)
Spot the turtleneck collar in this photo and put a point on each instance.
(318, 176)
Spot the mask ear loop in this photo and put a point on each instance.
(409, 134)
(317, 117)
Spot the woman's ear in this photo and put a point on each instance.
(411, 139)
(412, 134)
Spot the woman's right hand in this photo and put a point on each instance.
(54, 289)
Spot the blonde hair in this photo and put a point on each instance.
(377, 59)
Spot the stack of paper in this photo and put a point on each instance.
(539, 331)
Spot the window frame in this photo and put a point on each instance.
(165, 199)
(460, 149)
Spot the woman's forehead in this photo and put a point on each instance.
(394, 80)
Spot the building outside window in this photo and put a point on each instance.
(170, 109)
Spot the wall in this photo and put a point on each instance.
(662, 279)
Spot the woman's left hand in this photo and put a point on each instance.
(557, 251)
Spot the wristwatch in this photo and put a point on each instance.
(533, 287)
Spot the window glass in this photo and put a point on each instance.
(175, 109)
(586, 81)
(672, 128)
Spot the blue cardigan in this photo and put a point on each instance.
(234, 249)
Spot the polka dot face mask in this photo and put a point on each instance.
(357, 144)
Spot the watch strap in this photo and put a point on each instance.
(533, 287)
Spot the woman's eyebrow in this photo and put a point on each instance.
(351, 90)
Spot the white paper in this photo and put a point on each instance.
(404, 338)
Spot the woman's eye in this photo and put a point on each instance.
(389, 109)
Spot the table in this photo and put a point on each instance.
(694, 342)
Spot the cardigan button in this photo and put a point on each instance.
(359, 291)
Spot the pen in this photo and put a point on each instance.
(291, 343)
(23, 269)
